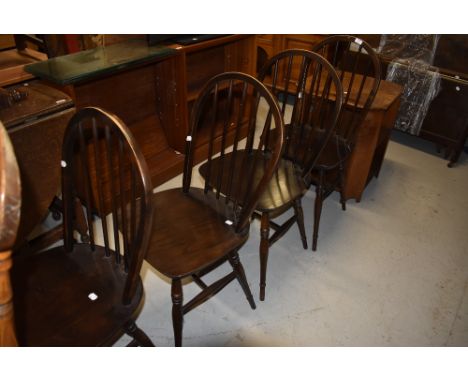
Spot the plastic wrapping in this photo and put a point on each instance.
(410, 67)
(420, 47)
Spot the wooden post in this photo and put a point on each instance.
(7, 332)
(10, 203)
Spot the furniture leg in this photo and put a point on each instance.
(317, 210)
(300, 221)
(264, 247)
(137, 334)
(240, 274)
(7, 328)
(177, 310)
(341, 174)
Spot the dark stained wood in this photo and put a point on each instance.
(359, 70)
(310, 105)
(308, 83)
(10, 205)
(36, 126)
(196, 230)
(44, 315)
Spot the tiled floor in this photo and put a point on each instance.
(390, 271)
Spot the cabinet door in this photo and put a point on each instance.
(299, 41)
(447, 116)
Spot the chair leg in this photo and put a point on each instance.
(137, 334)
(300, 221)
(317, 211)
(341, 174)
(264, 247)
(177, 310)
(240, 275)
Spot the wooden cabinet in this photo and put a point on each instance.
(446, 120)
(270, 44)
(36, 126)
(154, 97)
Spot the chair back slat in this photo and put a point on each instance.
(85, 177)
(359, 69)
(100, 192)
(104, 168)
(233, 100)
(311, 96)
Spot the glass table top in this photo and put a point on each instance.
(84, 65)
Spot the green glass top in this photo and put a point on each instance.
(84, 65)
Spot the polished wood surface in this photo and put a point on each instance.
(196, 229)
(101, 281)
(10, 205)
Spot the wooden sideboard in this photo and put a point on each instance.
(36, 126)
(154, 96)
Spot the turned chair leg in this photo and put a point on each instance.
(177, 310)
(240, 275)
(300, 221)
(264, 247)
(317, 211)
(138, 335)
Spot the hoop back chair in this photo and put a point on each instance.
(310, 96)
(358, 67)
(306, 80)
(200, 228)
(10, 205)
(85, 294)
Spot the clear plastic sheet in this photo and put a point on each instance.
(420, 47)
(410, 67)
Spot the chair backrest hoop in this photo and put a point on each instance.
(362, 51)
(328, 90)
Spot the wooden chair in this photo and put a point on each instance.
(303, 80)
(90, 294)
(200, 228)
(10, 205)
(358, 67)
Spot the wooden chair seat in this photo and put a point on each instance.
(202, 239)
(58, 284)
(285, 186)
(335, 151)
